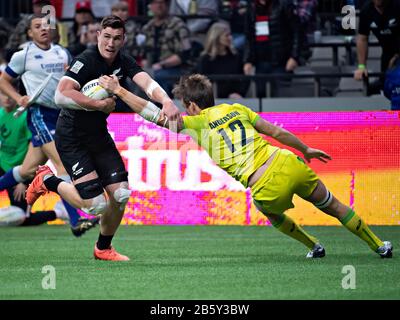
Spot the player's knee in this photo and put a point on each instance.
(27, 173)
(326, 202)
(92, 194)
(121, 194)
(96, 206)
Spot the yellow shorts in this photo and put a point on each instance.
(287, 175)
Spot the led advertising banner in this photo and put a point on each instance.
(174, 181)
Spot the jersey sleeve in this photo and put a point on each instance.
(253, 116)
(130, 66)
(194, 122)
(16, 66)
(79, 70)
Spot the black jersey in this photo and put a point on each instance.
(386, 27)
(90, 65)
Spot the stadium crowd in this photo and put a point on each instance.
(169, 38)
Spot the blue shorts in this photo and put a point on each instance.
(42, 123)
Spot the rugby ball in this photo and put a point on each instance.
(93, 90)
(11, 216)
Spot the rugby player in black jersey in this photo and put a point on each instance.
(86, 149)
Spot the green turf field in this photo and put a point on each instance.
(195, 262)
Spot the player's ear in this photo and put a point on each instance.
(194, 108)
(30, 35)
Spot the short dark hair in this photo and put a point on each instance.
(113, 22)
(195, 88)
(36, 16)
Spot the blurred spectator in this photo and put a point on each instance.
(307, 12)
(167, 44)
(19, 36)
(392, 82)
(83, 16)
(235, 12)
(273, 40)
(55, 34)
(87, 39)
(197, 27)
(4, 32)
(220, 57)
(121, 9)
(37, 5)
(382, 17)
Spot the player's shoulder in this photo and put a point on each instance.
(85, 59)
(19, 57)
(126, 57)
(89, 55)
(58, 47)
(195, 122)
(240, 107)
(23, 50)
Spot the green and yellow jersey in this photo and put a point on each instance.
(228, 135)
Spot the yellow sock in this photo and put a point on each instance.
(292, 229)
(357, 226)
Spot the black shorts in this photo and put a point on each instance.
(82, 152)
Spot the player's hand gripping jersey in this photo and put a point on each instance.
(228, 135)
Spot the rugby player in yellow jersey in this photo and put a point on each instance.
(230, 134)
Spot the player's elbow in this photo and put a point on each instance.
(62, 101)
(58, 98)
(277, 132)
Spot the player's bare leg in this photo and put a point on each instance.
(76, 221)
(110, 221)
(34, 157)
(288, 226)
(51, 152)
(326, 202)
(46, 181)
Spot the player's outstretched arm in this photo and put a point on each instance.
(144, 108)
(158, 94)
(289, 139)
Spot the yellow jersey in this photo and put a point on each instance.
(228, 135)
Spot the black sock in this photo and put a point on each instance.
(52, 183)
(104, 242)
(39, 217)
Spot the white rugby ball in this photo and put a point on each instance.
(11, 216)
(93, 90)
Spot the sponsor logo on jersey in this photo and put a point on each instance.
(38, 56)
(76, 67)
(76, 171)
